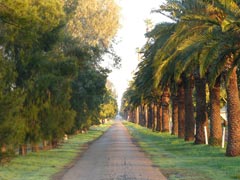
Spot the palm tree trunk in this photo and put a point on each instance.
(174, 115)
(181, 112)
(132, 119)
(189, 109)
(134, 116)
(137, 115)
(141, 116)
(201, 109)
(165, 110)
(159, 118)
(154, 128)
(146, 115)
(150, 117)
(233, 146)
(128, 115)
(215, 117)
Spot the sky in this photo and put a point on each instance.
(130, 37)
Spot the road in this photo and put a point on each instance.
(113, 157)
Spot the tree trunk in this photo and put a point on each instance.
(215, 117)
(35, 147)
(159, 118)
(165, 110)
(141, 115)
(181, 112)
(132, 116)
(4, 148)
(54, 143)
(174, 115)
(23, 149)
(146, 115)
(45, 145)
(189, 109)
(233, 105)
(133, 120)
(137, 115)
(150, 117)
(154, 117)
(126, 113)
(201, 110)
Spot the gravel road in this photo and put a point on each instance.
(113, 157)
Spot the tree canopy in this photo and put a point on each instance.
(51, 79)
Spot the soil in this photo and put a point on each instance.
(114, 156)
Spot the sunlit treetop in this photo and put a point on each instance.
(95, 22)
(33, 14)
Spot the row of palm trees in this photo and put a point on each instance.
(197, 52)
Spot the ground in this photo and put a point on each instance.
(113, 157)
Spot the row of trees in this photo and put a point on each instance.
(51, 79)
(186, 64)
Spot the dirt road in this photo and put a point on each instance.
(113, 157)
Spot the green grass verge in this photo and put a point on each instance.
(43, 165)
(184, 160)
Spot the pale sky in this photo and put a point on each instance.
(131, 36)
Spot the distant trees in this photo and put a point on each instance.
(197, 51)
(51, 80)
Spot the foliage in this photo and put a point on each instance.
(95, 22)
(87, 96)
(45, 64)
(11, 99)
(109, 108)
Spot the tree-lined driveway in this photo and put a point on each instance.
(113, 157)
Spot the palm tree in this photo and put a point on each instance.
(233, 147)
(172, 66)
(215, 118)
(165, 109)
(181, 111)
(222, 18)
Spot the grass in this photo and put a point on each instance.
(183, 160)
(43, 165)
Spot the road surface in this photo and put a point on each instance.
(113, 157)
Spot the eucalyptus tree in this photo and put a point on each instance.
(109, 108)
(94, 22)
(91, 26)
